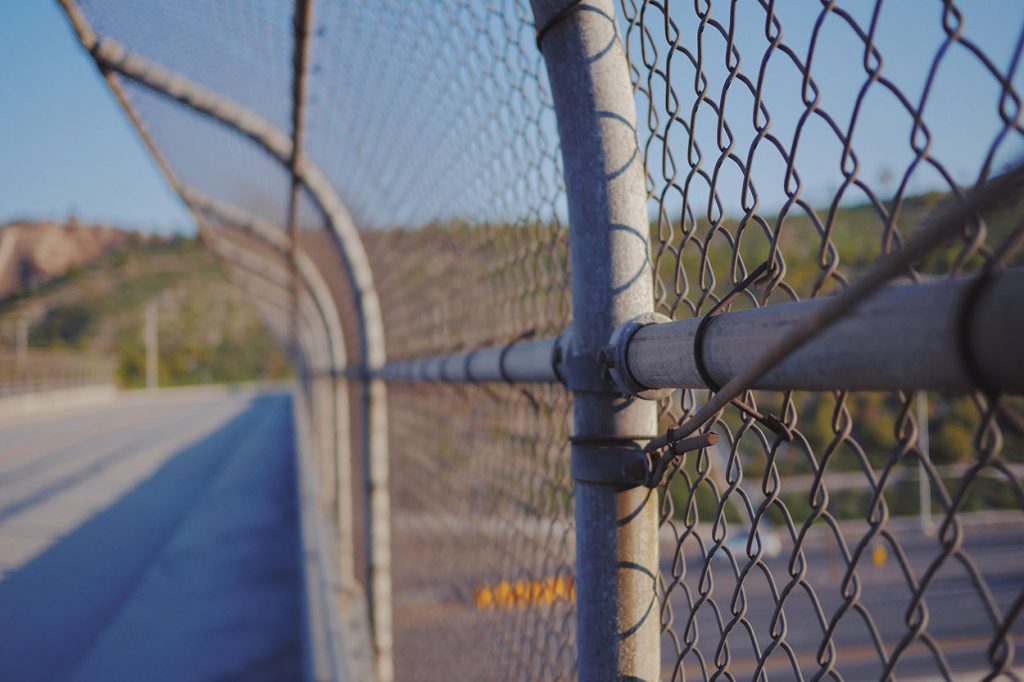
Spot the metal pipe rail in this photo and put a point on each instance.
(525, 362)
(905, 337)
(302, 20)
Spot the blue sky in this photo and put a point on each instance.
(65, 145)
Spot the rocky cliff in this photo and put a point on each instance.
(32, 253)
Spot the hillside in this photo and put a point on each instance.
(32, 253)
(86, 288)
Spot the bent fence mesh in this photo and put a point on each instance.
(879, 538)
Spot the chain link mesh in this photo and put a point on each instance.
(483, 541)
(816, 140)
(813, 138)
(237, 48)
(463, 168)
(457, 188)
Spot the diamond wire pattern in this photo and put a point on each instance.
(815, 148)
(762, 125)
(458, 189)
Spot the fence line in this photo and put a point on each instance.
(484, 367)
(34, 370)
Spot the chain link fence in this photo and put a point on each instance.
(46, 370)
(766, 424)
(817, 140)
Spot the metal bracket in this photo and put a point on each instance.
(614, 358)
(675, 450)
(609, 460)
(625, 461)
(581, 371)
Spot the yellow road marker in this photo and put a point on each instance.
(524, 593)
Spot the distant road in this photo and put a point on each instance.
(155, 538)
(958, 619)
(152, 538)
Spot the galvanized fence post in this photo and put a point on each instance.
(616, 522)
(343, 484)
(378, 519)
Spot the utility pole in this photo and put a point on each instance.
(152, 342)
(21, 338)
(924, 487)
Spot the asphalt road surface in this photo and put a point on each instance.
(958, 622)
(442, 634)
(152, 538)
(156, 538)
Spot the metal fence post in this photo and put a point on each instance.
(616, 525)
(324, 391)
(378, 522)
(343, 484)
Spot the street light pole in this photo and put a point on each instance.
(152, 343)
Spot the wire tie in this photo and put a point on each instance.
(555, 20)
(769, 421)
(676, 450)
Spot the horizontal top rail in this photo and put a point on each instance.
(902, 337)
(523, 362)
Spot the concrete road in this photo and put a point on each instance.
(151, 538)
